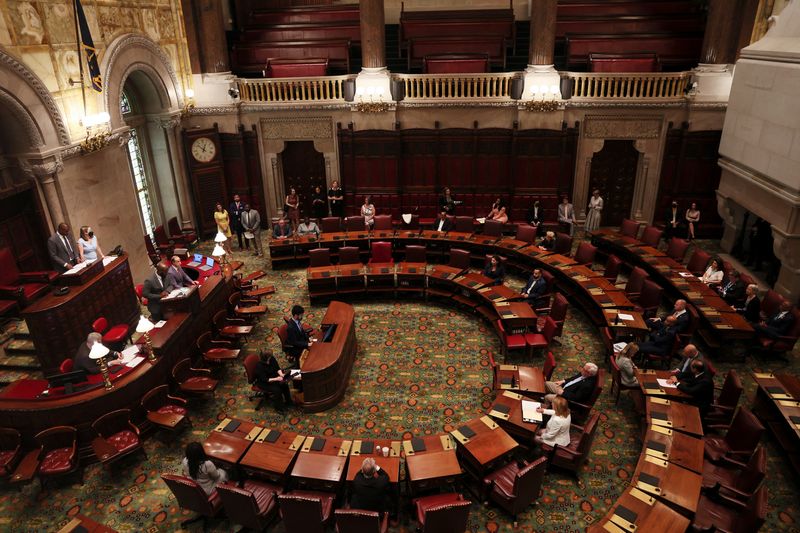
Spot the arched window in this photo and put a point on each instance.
(140, 181)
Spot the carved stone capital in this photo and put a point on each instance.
(41, 169)
(169, 123)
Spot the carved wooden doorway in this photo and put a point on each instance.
(614, 171)
(303, 168)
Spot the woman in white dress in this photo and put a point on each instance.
(713, 274)
(368, 212)
(594, 211)
(88, 249)
(556, 431)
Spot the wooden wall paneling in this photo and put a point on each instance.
(209, 187)
(22, 230)
(613, 171)
(234, 164)
(419, 149)
(455, 161)
(493, 161)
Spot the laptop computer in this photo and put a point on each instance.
(196, 261)
(209, 264)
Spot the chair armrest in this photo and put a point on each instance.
(234, 320)
(39, 275)
(204, 371)
(249, 301)
(177, 399)
(222, 343)
(134, 427)
(725, 408)
(719, 426)
(12, 292)
(573, 453)
(732, 501)
(719, 486)
(731, 461)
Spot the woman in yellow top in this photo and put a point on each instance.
(223, 221)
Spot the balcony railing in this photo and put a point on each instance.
(323, 89)
(456, 86)
(629, 86)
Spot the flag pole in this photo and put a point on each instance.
(80, 54)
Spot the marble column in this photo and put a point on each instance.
(180, 180)
(45, 173)
(373, 42)
(543, 32)
(212, 43)
(722, 33)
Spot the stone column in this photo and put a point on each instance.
(212, 43)
(171, 127)
(543, 32)
(722, 33)
(785, 246)
(373, 42)
(192, 38)
(45, 173)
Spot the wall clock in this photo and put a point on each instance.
(204, 149)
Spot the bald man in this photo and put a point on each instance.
(62, 249)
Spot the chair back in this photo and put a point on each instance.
(181, 370)
(598, 387)
(203, 342)
(10, 439)
(650, 297)
(753, 474)
(283, 333)
(753, 517)
(139, 289)
(677, 249)
(731, 390)
(241, 506)
(349, 255)
(357, 521)
(250, 363)
(558, 311)
(636, 281)
(463, 224)
(528, 482)
(587, 437)
(563, 244)
(698, 262)
(608, 341)
(493, 365)
(174, 228)
(651, 236)
(66, 366)
(549, 329)
(331, 225)
(493, 228)
(629, 228)
(161, 235)
(771, 303)
(301, 513)
(459, 258)
(100, 325)
(355, 223)
(113, 422)
(57, 437)
(744, 432)
(616, 379)
(416, 253)
(381, 252)
(613, 265)
(447, 518)
(189, 494)
(526, 233)
(155, 398)
(383, 222)
(319, 257)
(585, 253)
(549, 366)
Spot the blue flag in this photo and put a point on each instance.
(88, 47)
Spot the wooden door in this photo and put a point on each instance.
(614, 173)
(303, 169)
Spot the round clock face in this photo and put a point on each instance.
(204, 149)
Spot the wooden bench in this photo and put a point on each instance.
(632, 62)
(675, 51)
(253, 57)
(581, 8)
(455, 63)
(303, 15)
(296, 68)
(680, 23)
(469, 28)
(304, 32)
(493, 47)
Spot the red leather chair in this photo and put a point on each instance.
(10, 450)
(633, 288)
(771, 303)
(515, 486)
(721, 412)
(354, 223)
(616, 380)
(116, 334)
(563, 244)
(694, 319)
(254, 505)
(349, 255)
(164, 410)
(117, 430)
(231, 328)
(383, 223)
(698, 262)
(193, 380)
(185, 237)
(784, 343)
(613, 265)
(464, 224)
(139, 288)
(442, 513)
(58, 455)
(459, 258)
(245, 308)
(581, 411)
(651, 236)
(216, 351)
(731, 516)
(162, 241)
(416, 254)
(360, 521)
(739, 483)
(306, 511)
(739, 442)
(649, 299)
(629, 228)
(155, 256)
(381, 253)
(572, 456)
(493, 228)
(191, 496)
(585, 253)
(319, 257)
(331, 225)
(558, 312)
(540, 341)
(677, 249)
(21, 287)
(526, 233)
(250, 363)
(510, 343)
(66, 366)
(549, 366)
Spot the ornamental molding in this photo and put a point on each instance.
(299, 128)
(213, 110)
(260, 108)
(572, 104)
(41, 169)
(616, 127)
(32, 132)
(41, 91)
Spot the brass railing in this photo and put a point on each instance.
(456, 86)
(285, 90)
(629, 86)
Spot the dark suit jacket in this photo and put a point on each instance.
(680, 326)
(660, 340)
(497, 275)
(735, 294)
(537, 287)
(82, 361)
(581, 391)
(235, 213)
(59, 254)
(266, 371)
(701, 389)
(276, 231)
(679, 218)
(547, 245)
(152, 291)
(685, 367)
(751, 310)
(446, 206)
(535, 218)
(177, 278)
(371, 493)
(780, 325)
(296, 339)
(448, 225)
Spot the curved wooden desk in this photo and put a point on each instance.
(327, 367)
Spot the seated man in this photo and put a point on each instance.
(308, 228)
(661, 338)
(442, 223)
(684, 368)
(578, 388)
(535, 288)
(271, 378)
(778, 324)
(88, 365)
(681, 318)
(176, 277)
(297, 338)
(549, 241)
(371, 488)
(699, 384)
(281, 230)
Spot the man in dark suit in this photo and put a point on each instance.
(446, 202)
(699, 384)
(270, 377)
(661, 338)
(82, 360)
(535, 288)
(680, 314)
(176, 277)
(155, 288)
(577, 388)
(751, 306)
(442, 223)
(778, 324)
(235, 212)
(733, 291)
(684, 368)
(535, 217)
(672, 222)
(297, 338)
(371, 488)
(281, 230)
(62, 249)
(549, 241)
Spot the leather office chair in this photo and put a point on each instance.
(510, 342)
(676, 249)
(360, 521)
(581, 411)
(633, 288)
(771, 303)
(784, 343)
(651, 236)
(306, 511)
(21, 287)
(164, 410)
(730, 516)
(349, 255)
(250, 363)
(254, 505)
(155, 255)
(558, 312)
(549, 365)
(573, 456)
(66, 366)
(612, 269)
(616, 380)
(117, 430)
(185, 237)
(649, 299)
(563, 244)
(416, 254)
(585, 253)
(739, 442)
(10, 450)
(734, 481)
(331, 225)
(698, 262)
(542, 304)
(58, 455)
(493, 228)
(231, 328)
(139, 289)
(319, 257)
(526, 233)
(381, 252)
(163, 242)
(246, 308)
(540, 341)
(442, 513)
(116, 334)
(459, 258)
(191, 496)
(694, 319)
(355, 223)
(629, 228)
(493, 366)
(216, 351)
(515, 486)
(463, 224)
(193, 380)
(383, 223)
(721, 411)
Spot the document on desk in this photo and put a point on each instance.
(177, 293)
(625, 316)
(619, 346)
(129, 353)
(107, 259)
(77, 268)
(666, 384)
(529, 413)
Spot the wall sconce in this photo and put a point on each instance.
(543, 99)
(97, 134)
(369, 99)
(189, 104)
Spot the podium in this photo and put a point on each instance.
(187, 303)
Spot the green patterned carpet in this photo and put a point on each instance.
(421, 369)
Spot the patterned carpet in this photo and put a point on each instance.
(420, 369)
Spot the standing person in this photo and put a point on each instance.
(292, 203)
(270, 378)
(197, 466)
(251, 224)
(535, 217)
(371, 488)
(319, 204)
(62, 249)
(594, 211)
(88, 249)
(223, 221)
(297, 338)
(556, 431)
(336, 199)
(672, 222)
(446, 202)
(498, 211)
(692, 219)
(155, 288)
(566, 214)
(368, 212)
(235, 212)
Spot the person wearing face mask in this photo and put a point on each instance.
(88, 249)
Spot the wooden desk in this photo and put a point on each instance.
(777, 405)
(229, 447)
(516, 315)
(390, 464)
(499, 293)
(583, 273)
(326, 370)
(512, 421)
(322, 280)
(679, 487)
(88, 525)
(528, 380)
(636, 326)
(434, 467)
(483, 451)
(350, 279)
(473, 280)
(281, 250)
(650, 517)
(683, 417)
(650, 387)
(681, 449)
(323, 469)
(272, 460)
(411, 276)
(380, 277)
(510, 243)
(558, 261)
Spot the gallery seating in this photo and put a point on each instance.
(21, 287)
